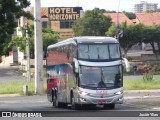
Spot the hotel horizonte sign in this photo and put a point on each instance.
(61, 13)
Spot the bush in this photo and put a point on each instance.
(129, 58)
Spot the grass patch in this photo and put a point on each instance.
(147, 103)
(141, 84)
(17, 87)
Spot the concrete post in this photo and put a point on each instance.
(25, 89)
(38, 49)
(27, 53)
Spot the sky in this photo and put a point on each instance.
(116, 5)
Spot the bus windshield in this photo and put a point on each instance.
(98, 51)
(101, 77)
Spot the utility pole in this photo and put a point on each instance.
(27, 53)
(118, 30)
(38, 49)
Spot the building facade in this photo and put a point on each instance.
(144, 6)
(60, 19)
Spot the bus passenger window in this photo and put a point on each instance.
(83, 51)
(114, 51)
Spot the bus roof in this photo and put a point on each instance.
(88, 39)
(85, 39)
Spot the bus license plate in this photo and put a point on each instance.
(101, 102)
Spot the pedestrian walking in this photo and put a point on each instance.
(135, 69)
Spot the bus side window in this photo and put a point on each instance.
(68, 53)
(74, 51)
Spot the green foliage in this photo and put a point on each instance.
(151, 11)
(141, 84)
(93, 23)
(129, 58)
(112, 31)
(15, 87)
(18, 41)
(132, 35)
(10, 10)
(48, 35)
(104, 11)
(137, 33)
(4, 46)
(152, 35)
(130, 15)
(157, 73)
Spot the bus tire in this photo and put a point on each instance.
(73, 105)
(53, 99)
(56, 102)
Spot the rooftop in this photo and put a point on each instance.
(119, 18)
(149, 18)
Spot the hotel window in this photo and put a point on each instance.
(44, 24)
(66, 24)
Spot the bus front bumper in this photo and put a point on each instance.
(116, 99)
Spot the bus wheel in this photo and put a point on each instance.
(109, 106)
(54, 101)
(57, 104)
(73, 105)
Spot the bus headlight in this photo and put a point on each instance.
(82, 93)
(118, 93)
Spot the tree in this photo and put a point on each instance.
(93, 23)
(132, 35)
(10, 11)
(48, 35)
(130, 15)
(151, 11)
(104, 11)
(152, 36)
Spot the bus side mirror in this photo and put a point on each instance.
(127, 65)
(75, 65)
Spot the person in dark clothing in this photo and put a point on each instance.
(135, 69)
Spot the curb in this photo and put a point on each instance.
(9, 95)
(141, 91)
(140, 97)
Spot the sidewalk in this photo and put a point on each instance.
(143, 98)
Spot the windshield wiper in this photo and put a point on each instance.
(101, 83)
(92, 84)
(98, 53)
(84, 86)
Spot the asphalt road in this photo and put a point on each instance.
(40, 103)
(10, 73)
(40, 106)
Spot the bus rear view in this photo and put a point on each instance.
(88, 72)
